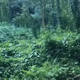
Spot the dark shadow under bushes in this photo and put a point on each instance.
(56, 49)
(74, 50)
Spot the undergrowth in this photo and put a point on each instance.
(55, 55)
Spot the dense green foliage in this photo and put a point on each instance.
(53, 56)
(36, 13)
(39, 40)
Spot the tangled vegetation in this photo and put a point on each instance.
(53, 56)
(39, 39)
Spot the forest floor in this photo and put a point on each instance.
(54, 55)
